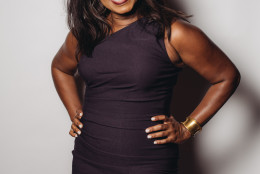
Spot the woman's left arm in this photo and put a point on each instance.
(197, 51)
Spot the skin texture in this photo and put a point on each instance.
(188, 46)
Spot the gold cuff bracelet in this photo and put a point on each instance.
(192, 125)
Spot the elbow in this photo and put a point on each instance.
(233, 79)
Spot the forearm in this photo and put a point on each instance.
(67, 90)
(215, 97)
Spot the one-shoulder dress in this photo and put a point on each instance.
(129, 78)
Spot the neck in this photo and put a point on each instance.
(118, 21)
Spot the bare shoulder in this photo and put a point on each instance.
(182, 26)
(186, 34)
(184, 37)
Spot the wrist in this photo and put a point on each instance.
(75, 113)
(186, 133)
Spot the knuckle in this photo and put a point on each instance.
(167, 133)
(154, 135)
(164, 133)
(75, 128)
(162, 126)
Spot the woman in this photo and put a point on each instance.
(129, 53)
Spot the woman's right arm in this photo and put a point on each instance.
(63, 69)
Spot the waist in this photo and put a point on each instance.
(129, 106)
(124, 113)
(123, 143)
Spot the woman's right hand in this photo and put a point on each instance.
(76, 125)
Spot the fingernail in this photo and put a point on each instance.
(81, 114)
(147, 130)
(76, 135)
(155, 142)
(149, 136)
(79, 132)
(80, 125)
(152, 118)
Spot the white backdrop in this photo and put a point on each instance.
(35, 125)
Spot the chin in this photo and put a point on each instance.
(119, 9)
(122, 10)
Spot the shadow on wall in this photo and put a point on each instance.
(187, 94)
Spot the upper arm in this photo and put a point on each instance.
(65, 59)
(197, 51)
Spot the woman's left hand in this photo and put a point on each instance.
(174, 131)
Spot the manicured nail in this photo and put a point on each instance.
(155, 142)
(76, 135)
(81, 114)
(149, 136)
(80, 125)
(79, 132)
(152, 118)
(147, 130)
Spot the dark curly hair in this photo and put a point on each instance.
(87, 20)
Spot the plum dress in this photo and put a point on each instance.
(129, 79)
